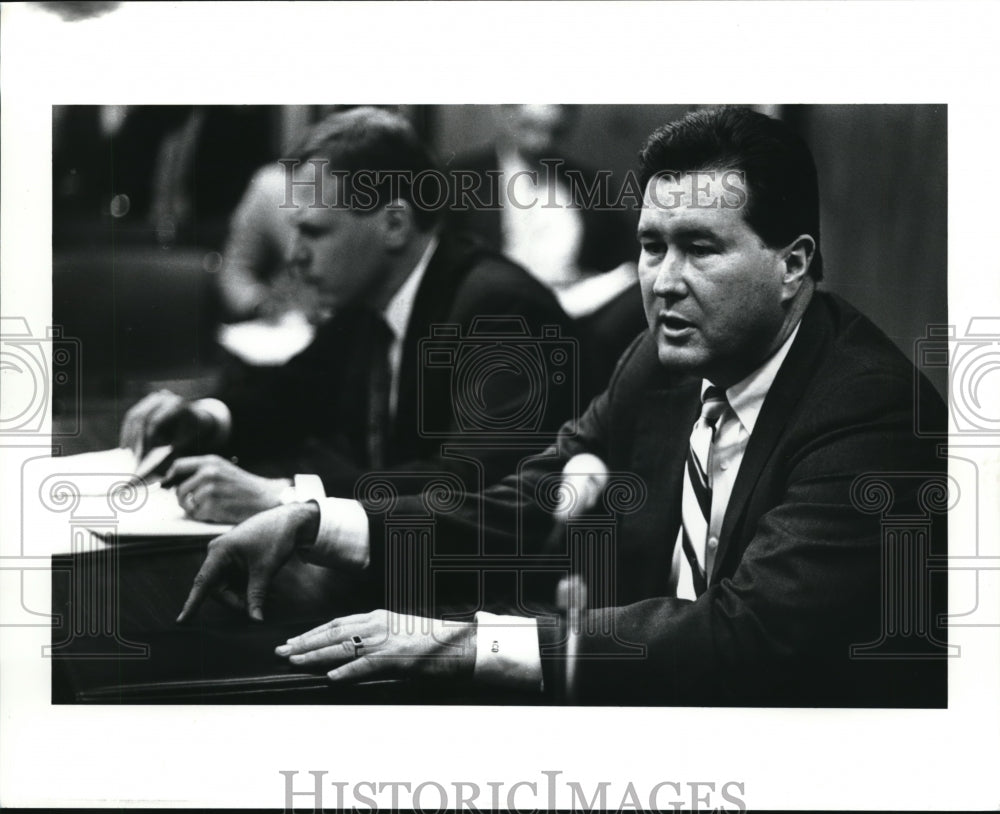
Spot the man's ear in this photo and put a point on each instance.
(798, 257)
(397, 224)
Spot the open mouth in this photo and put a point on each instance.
(674, 324)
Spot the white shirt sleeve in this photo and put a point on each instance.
(342, 540)
(507, 651)
(304, 488)
(220, 414)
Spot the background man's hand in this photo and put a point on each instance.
(213, 489)
(583, 480)
(392, 645)
(162, 418)
(239, 565)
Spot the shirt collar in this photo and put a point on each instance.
(510, 162)
(746, 397)
(397, 312)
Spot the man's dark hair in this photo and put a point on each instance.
(779, 171)
(377, 153)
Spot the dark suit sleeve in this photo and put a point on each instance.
(277, 409)
(513, 517)
(521, 374)
(808, 585)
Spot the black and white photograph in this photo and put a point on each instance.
(501, 423)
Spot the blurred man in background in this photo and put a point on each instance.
(354, 400)
(550, 215)
(558, 240)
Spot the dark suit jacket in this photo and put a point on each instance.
(310, 415)
(798, 576)
(608, 235)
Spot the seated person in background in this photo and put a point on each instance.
(560, 244)
(751, 411)
(360, 397)
(256, 278)
(524, 198)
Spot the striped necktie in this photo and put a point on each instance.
(696, 520)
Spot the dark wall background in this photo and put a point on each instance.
(884, 196)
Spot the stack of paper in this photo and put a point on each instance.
(101, 491)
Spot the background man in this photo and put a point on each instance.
(561, 241)
(352, 401)
(750, 411)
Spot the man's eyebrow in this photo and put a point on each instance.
(683, 233)
(696, 232)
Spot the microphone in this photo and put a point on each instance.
(583, 480)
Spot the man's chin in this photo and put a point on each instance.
(679, 358)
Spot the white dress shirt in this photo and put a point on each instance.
(732, 433)
(542, 228)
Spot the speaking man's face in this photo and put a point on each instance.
(339, 252)
(712, 290)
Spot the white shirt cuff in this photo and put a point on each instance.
(507, 651)
(302, 489)
(342, 540)
(220, 414)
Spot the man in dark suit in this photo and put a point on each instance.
(362, 396)
(774, 548)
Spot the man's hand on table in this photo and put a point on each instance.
(212, 489)
(386, 644)
(239, 565)
(164, 418)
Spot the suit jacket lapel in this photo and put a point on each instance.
(662, 428)
(781, 400)
(432, 304)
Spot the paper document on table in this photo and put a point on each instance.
(161, 516)
(141, 507)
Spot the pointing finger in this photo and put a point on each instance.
(208, 577)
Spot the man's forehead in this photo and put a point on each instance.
(697, 189)
(316, 182)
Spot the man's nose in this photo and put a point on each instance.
(300, 258)
(669, 280)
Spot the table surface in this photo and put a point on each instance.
(115, 639)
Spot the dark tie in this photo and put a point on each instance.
(695, 524)
(379, 383)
